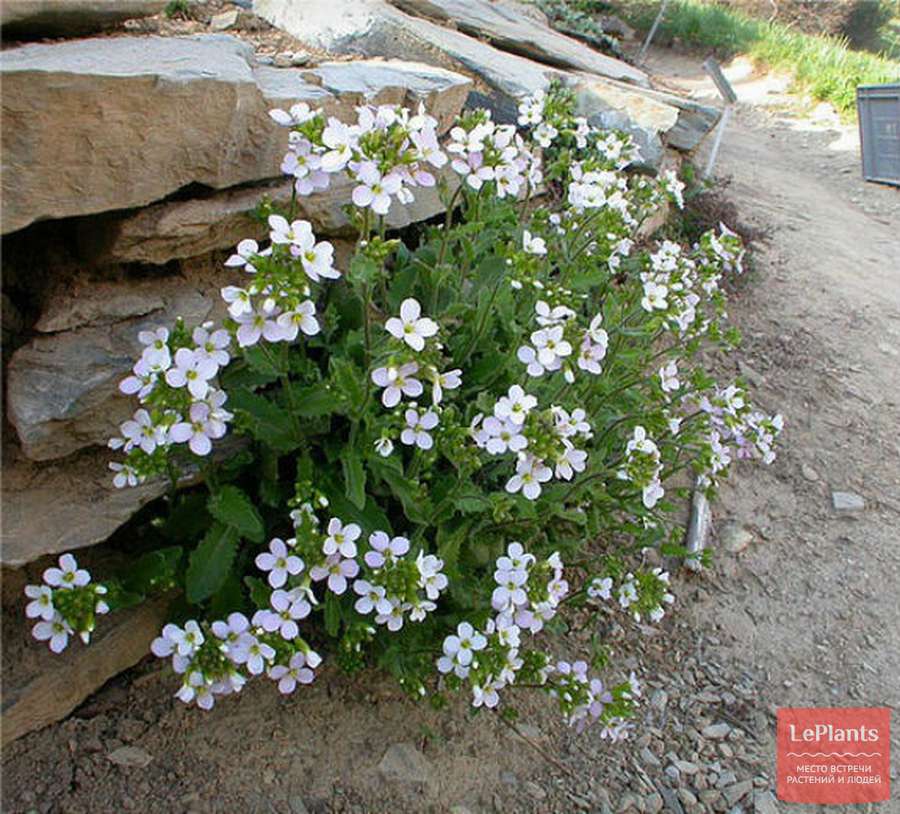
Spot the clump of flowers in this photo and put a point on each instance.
(426, 432)
(65, 604)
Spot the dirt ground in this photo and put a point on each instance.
(806, 613)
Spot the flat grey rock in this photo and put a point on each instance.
(57, 507)
(847, 502)
(404, 764)
(70, 18)
(507, 28)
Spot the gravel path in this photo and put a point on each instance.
(800, 607)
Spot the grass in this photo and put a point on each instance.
(824, 67)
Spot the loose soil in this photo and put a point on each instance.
(805, 615)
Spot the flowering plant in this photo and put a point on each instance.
(430, 433)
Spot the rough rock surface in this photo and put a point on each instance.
(204, 93)
(62, 386)
(63, 681)
(181, 229)
(70, 18)
(507, 28)
(49, 508)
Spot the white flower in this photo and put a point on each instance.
(531, 472)
(550, 346)
(600, 588)
(184, 642)
(205, 425)
(297, 672)
(141, 432)
(668, 377)
(532, 244)
(570, 461)
(279, 563)
(411, 327)
(261, 324)
(156, 351)
(56, 632)
(302, 318)
(503, 435)
(340, 138)
(544, 134)
(212, 343)
(515, 405)
(251, 651)
(429, 150)
(509, 592)
(238, 300)
(287, 608)
(384, 446)
(68, 575)
(246, 250)
(654, 297)
(41, 605)
(547, 316)
(337, 570)
(375, 190)
(432, 580)
(298, 114)
(317, 258)
(397, 382)
(463, 646)
(125, 475)
(341, 538)
(418, 426)
(531, 109)
(385, 549)
(528, 357)
(371, 597)
(305, 165)
(444, 381)
(192, 369)
(393, 617)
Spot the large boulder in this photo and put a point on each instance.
(70, 18)
(89, 128)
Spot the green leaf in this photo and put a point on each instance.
(188, 519)
(472, 501)
(259, 361)
(371, 517)
(233, 508)
(266, 421)
(311, 402)
(416, 505)
(332, 614)
(228, 598)
(354, 477)
(154, 571)
(348, 381)
(449, 543)
(259, 591)
(210, 563)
